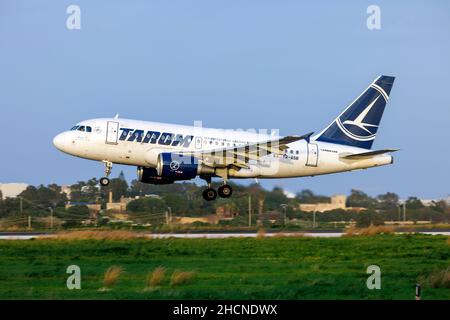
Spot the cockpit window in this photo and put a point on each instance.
(82, 128)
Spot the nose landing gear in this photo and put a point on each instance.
(104, 181)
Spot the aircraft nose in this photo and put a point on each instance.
(59, 141)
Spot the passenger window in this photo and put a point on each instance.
(297, 152)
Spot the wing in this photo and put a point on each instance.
(239, 157)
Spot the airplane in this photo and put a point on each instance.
(165, 153)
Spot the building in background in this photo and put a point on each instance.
(12, 190)
(432, 202)
(121, 206)
(337, 202)
(226, 212)
(67, 190)
(447, 200)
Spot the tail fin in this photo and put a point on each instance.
(357, 125)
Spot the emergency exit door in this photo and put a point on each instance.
(313, 155)
(112, 132)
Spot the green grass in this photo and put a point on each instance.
(234, 268)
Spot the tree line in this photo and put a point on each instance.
(185, 199)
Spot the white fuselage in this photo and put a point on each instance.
(110, 140)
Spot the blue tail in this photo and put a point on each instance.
(357, 125)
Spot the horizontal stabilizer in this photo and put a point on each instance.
(365, 154)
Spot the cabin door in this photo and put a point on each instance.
(112, 132)
(313, 155)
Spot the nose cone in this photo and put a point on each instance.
(59, 142)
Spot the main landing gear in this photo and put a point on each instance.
(210, 194)
(104, 181)
(225, 191)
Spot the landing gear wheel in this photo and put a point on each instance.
(225, 191)
(104, 181)
(209, 194)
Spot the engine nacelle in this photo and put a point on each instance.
(150, 175)
(177, 166)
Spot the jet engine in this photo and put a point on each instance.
(177, 166)
(149, 175)
(173, 167)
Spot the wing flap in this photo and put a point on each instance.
(240, 156)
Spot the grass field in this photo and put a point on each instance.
(233, 268)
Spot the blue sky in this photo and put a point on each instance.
(231, 64)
